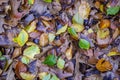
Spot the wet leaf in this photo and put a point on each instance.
(77, 19)
(31, 51)
(113, 10)
(25, 60)
(78, 27)
(22, 38)
(51, 37)
(54, 77)
(50, 60)
(60, 63)
(27, 76)
(44, 39)
(30, 2)
(31, 27)
(68, 53)
(103, 65)
(84, 9)
(72, 32)
(84, 44)
(47, 77)
(105, 23)
(49, 1)
(62, 30)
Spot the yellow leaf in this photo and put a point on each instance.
(62, 30)
(84, 9)
(22, 38)
(51, 37)
(105, 23)
(27, 76)
(42, 75)
(78, 27)
(113, 53)
(30, 28)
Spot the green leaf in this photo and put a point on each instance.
(51, 37)
(54, 77)
(113, 10)
(27, 76)
(2, 58)
(25, 60)
(72, 32)
(60, 63)
(62, 30)
(0, 53)
(31, 51)
(84, 44)
(50, 60)
(30, 28)
(49, 1)
(47, 77)
(22, 38)
(77, 19)
(30, 2)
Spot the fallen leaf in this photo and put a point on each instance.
(113, 52)
(84, 44)
(84, 9)
(78, 27)
(22, 38)
(51, 37)
(31, 27)
(42, 75)
(31, 51)
(50, 60)
(73, 33)
(103, 65)
(44, 39)
(113, 10)
(27, 76)
(30, 2)
(62, 30)
(60, 63)
(25, 60)
(105, 23)
(68, 53)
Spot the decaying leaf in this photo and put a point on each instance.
(42, 75)
(84, 9)
(103, 65)
(60, 63)
(51, 37)
(78, 27)
(44, 39)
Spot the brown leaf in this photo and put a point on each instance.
(16, 53)
(20, 67)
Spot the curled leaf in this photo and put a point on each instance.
(103, 65)
(22, 38)
(43, 39)
(31, 51)
(113, 52)
(84, 9)
(62, 30)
